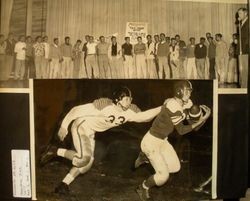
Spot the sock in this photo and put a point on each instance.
(61, 152)
(68, 179)
(144, 185)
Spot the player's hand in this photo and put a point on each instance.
(207, 112)
(62, 133)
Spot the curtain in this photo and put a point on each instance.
(77, 18)
(6, 9)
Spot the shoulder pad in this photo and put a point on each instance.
(101, 103)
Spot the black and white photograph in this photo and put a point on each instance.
(124, 100)
(123, 140)
(124, 39)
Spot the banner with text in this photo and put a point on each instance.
(135, 29)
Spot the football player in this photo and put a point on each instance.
(155, 145)
(98, 116)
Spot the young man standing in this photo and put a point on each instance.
(98, 116)
(150, 58)
(140, 59)
(3, 69)
(66, 70)
(191, 69)
(103, 60)
(9, 57)
(156, 42)
(115, 54)
(221, 55)
(243, 49)
(39, 52)
(46, 45)
(20, 49)
(55, 59)
(211, 57)
(76, 53)
(84, 48)
(182, 56)
(91, 59)
(200, 53)
(174, 58)
(127, 54)
(29, 59)
(162, 55)
(155, 145)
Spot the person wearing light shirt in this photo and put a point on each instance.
(174, 58)
(76, 52)
(150, 58)
(91, 60)
(20, 49)
(3, 68)
(221, 55)
(55, 59)
(46, 57)
(162, 55)
(103, 60)
(39, 51)
(140, 59)
(115, 61)
(67, 64)
(182, 56)
(191, 66)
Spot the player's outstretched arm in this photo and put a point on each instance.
(73, 114)
(146, 116)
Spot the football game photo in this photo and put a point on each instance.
(123, 140)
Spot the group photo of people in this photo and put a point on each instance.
(163, 55)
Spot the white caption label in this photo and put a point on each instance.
(21, 173)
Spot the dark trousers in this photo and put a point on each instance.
(29, 68)
(212, 68)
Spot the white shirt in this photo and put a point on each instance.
(91, 48)
(46, 50)
(99, 116)
(20, 52)
(150, 50)
(174, 53)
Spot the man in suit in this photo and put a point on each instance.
(244, 45)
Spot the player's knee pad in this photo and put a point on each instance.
(161, 178)
(81, 162)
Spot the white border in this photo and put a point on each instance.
(232, 91)
(15, 90)
(213, 1)
(215, 140)
(32, 141)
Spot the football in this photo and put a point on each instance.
(195, 113)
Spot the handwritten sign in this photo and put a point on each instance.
(21, 173)
(135, 29)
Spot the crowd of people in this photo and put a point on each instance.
(160, 57)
